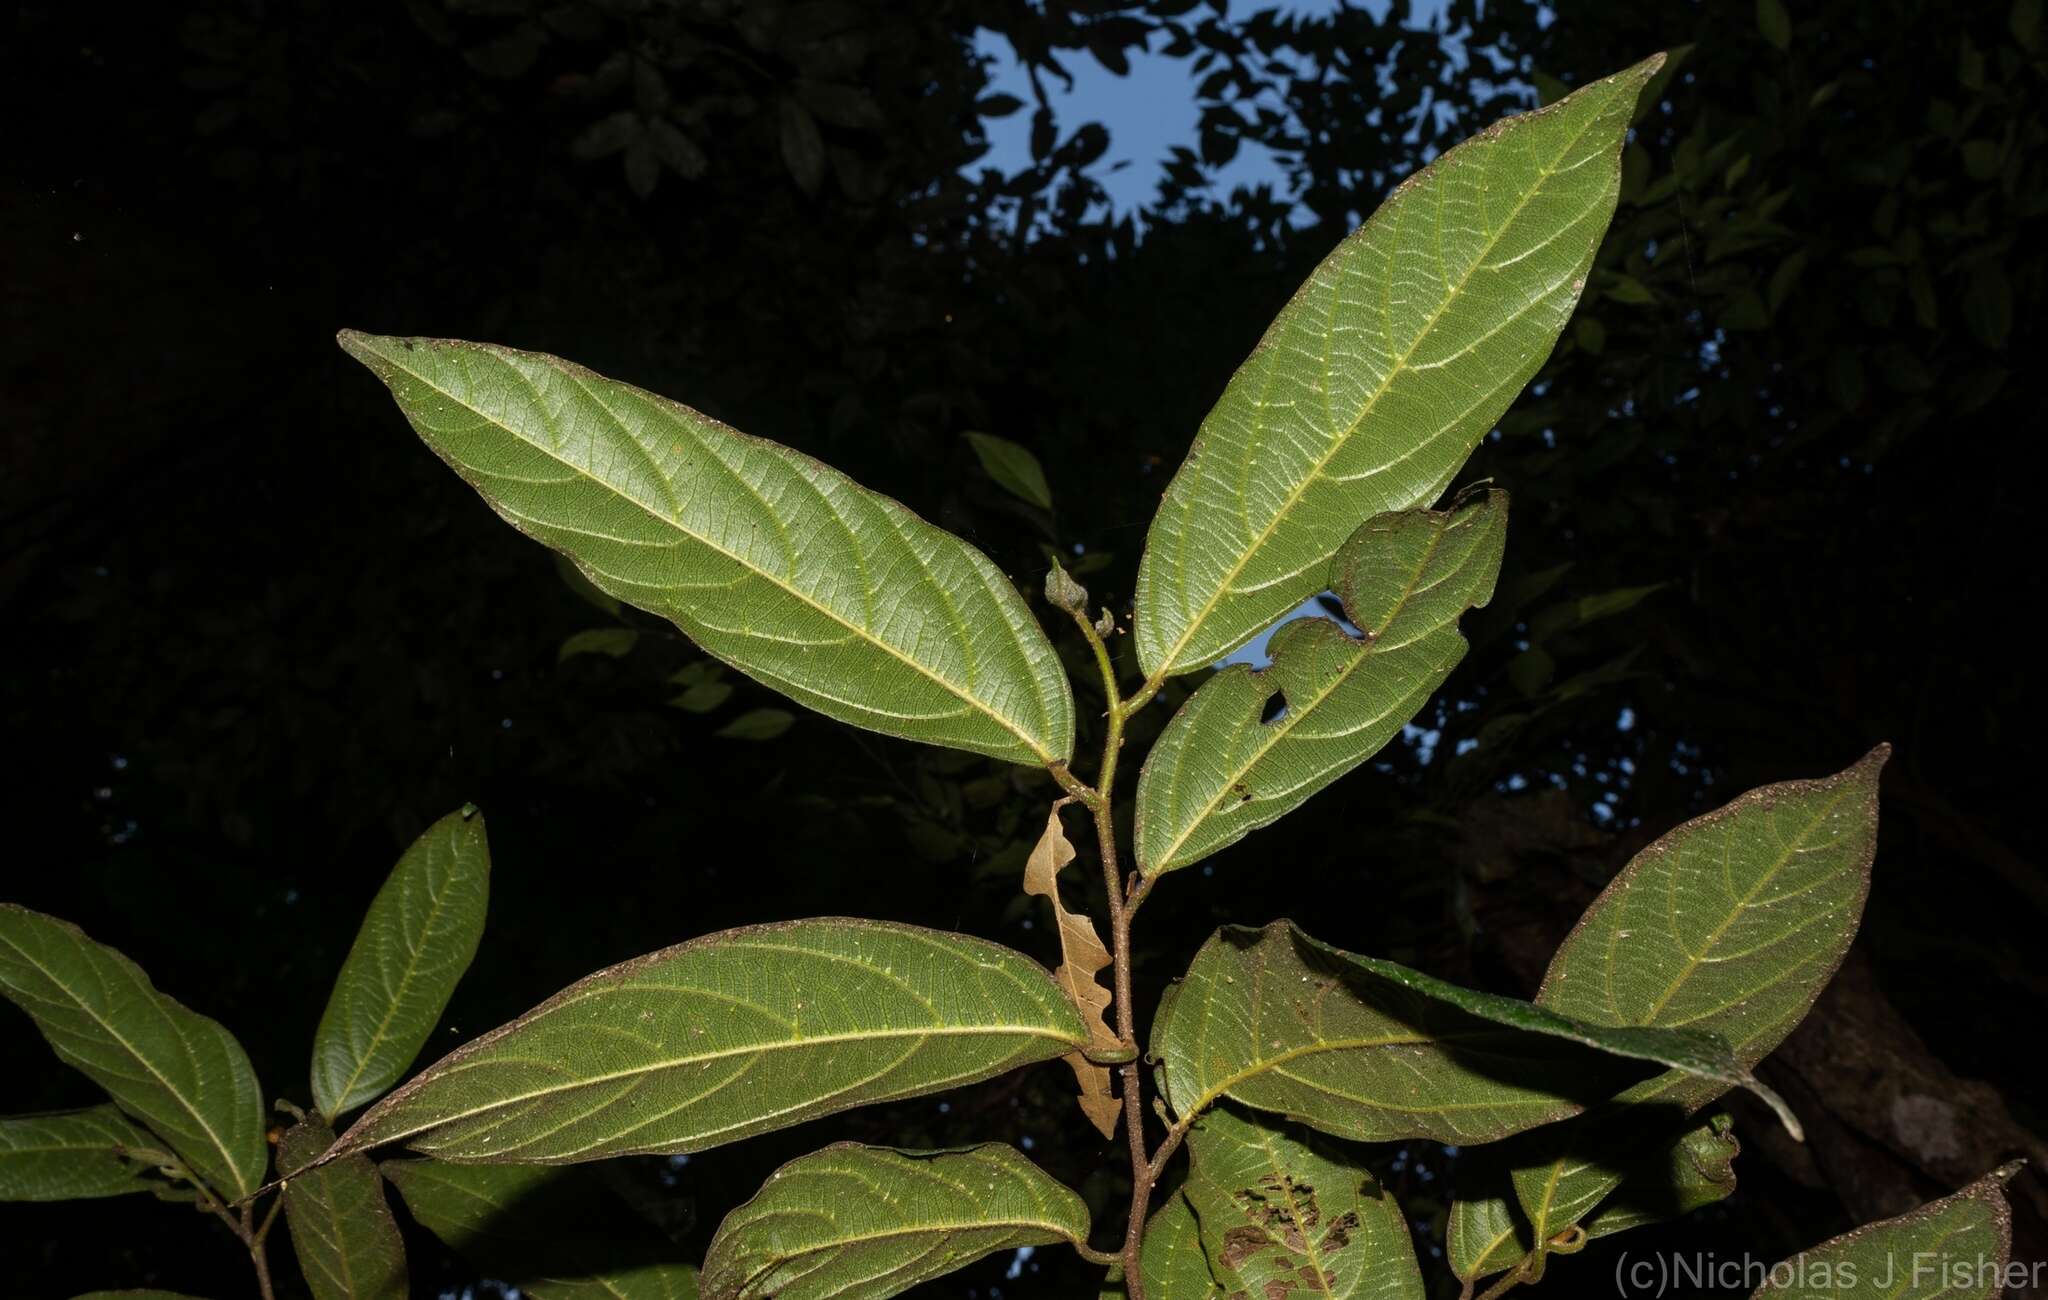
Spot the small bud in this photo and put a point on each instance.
(1064, 592)
(1105, 627)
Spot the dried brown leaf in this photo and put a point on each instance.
(1081, 957)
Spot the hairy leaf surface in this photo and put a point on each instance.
(1732, 923)
(1373, 385)
(71, 1155)
(861, 1223)
(421, 931)
(1370, 1050)
(1173, 1263)
(836, 596)
(1281, 1215)
(1696, 1170)
(1222, 769)
(556, 1234)
(342, 1230)
(178, 1072)
(731, 1035)
(1956, 1248)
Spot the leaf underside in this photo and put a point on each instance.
(731, 1035)
(418, 938)
(1956, 1248)
(1173, 1263)
(782, 567)
(71, 1155)
(1221, 769)
(863, 1223)
(342, 1230)
(1375, 382)
(180, 1073)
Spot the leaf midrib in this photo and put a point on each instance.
(1315, 471)
(412, 964)
(1030, 743)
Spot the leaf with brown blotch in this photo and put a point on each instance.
(1081, 956)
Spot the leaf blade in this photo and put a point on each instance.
(1956, 1248)
(1013, 468)
(70, 1155)
(1305, 442)
(180, 1073)
(416, 941)
(1221, 769)
(865, 1223)
(342, 1230)
(678, 514)
(1082, 958)
(743, 1032)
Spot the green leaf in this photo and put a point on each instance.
(556, 1234)
(71, 1155)
(417, 939)
(1696, 1170)
(834, 595)
(1282, 1215)
(862, 1223)
(1774, 23)
(803, 147)
(173, 1069)
(342, 1231)
(731, 1035)
(611, 642)
(1220, 770)
(1482, 1233)
(1370, 1050)
(1173, 1263)
(758, 724)
(1956, 1248)
(1730, 924)
(1374, 384)
(1013, 468)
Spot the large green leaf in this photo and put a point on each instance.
(417, 940)
(1281, 1215)
(1222, 770)
(1956, 1248)
(1173, 1263)
(1370, 1050)
(1732, 923)
(1374, 384)
(784, 568)
(863, 1223)
(173, 1069)
(556, 1234)
(342, 1230)
(731, 1035)
(71, 1155)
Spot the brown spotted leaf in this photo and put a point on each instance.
(1081, 957)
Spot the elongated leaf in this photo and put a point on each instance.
(728, 1036)
(175, 1070)
(556, 1234)
(1281, 1215)
(417, 940)
(862, 1223)
(1013, 468)
(1222, 770)
(1956, 1248)
(789, 571)
(1369, 1050)
(1483, 1234)
(1173, 1263)
(1374, 384)
(71, 1155)
(342, 1230)
(1082, 957)
(1732, 923)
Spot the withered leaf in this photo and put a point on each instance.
(1081, 956)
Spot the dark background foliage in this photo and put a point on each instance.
(1771, 507)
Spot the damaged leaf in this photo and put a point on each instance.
(1081, 957)
(1222, 769)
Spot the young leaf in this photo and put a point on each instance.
(71, 1155)
(1374, 384)
(1956, 1248)
(1173, 1263)
(862, 1223)
(1013, 468)
(1732, 923)
(1369, 1050)
(417, 939)
(173, 1069)
(731, 1035)
(556, 1234)
(342, 1231)
(1696, 1170)
(836, 596)
(1081, 957)
(1221, 769)
(1280, 1215)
